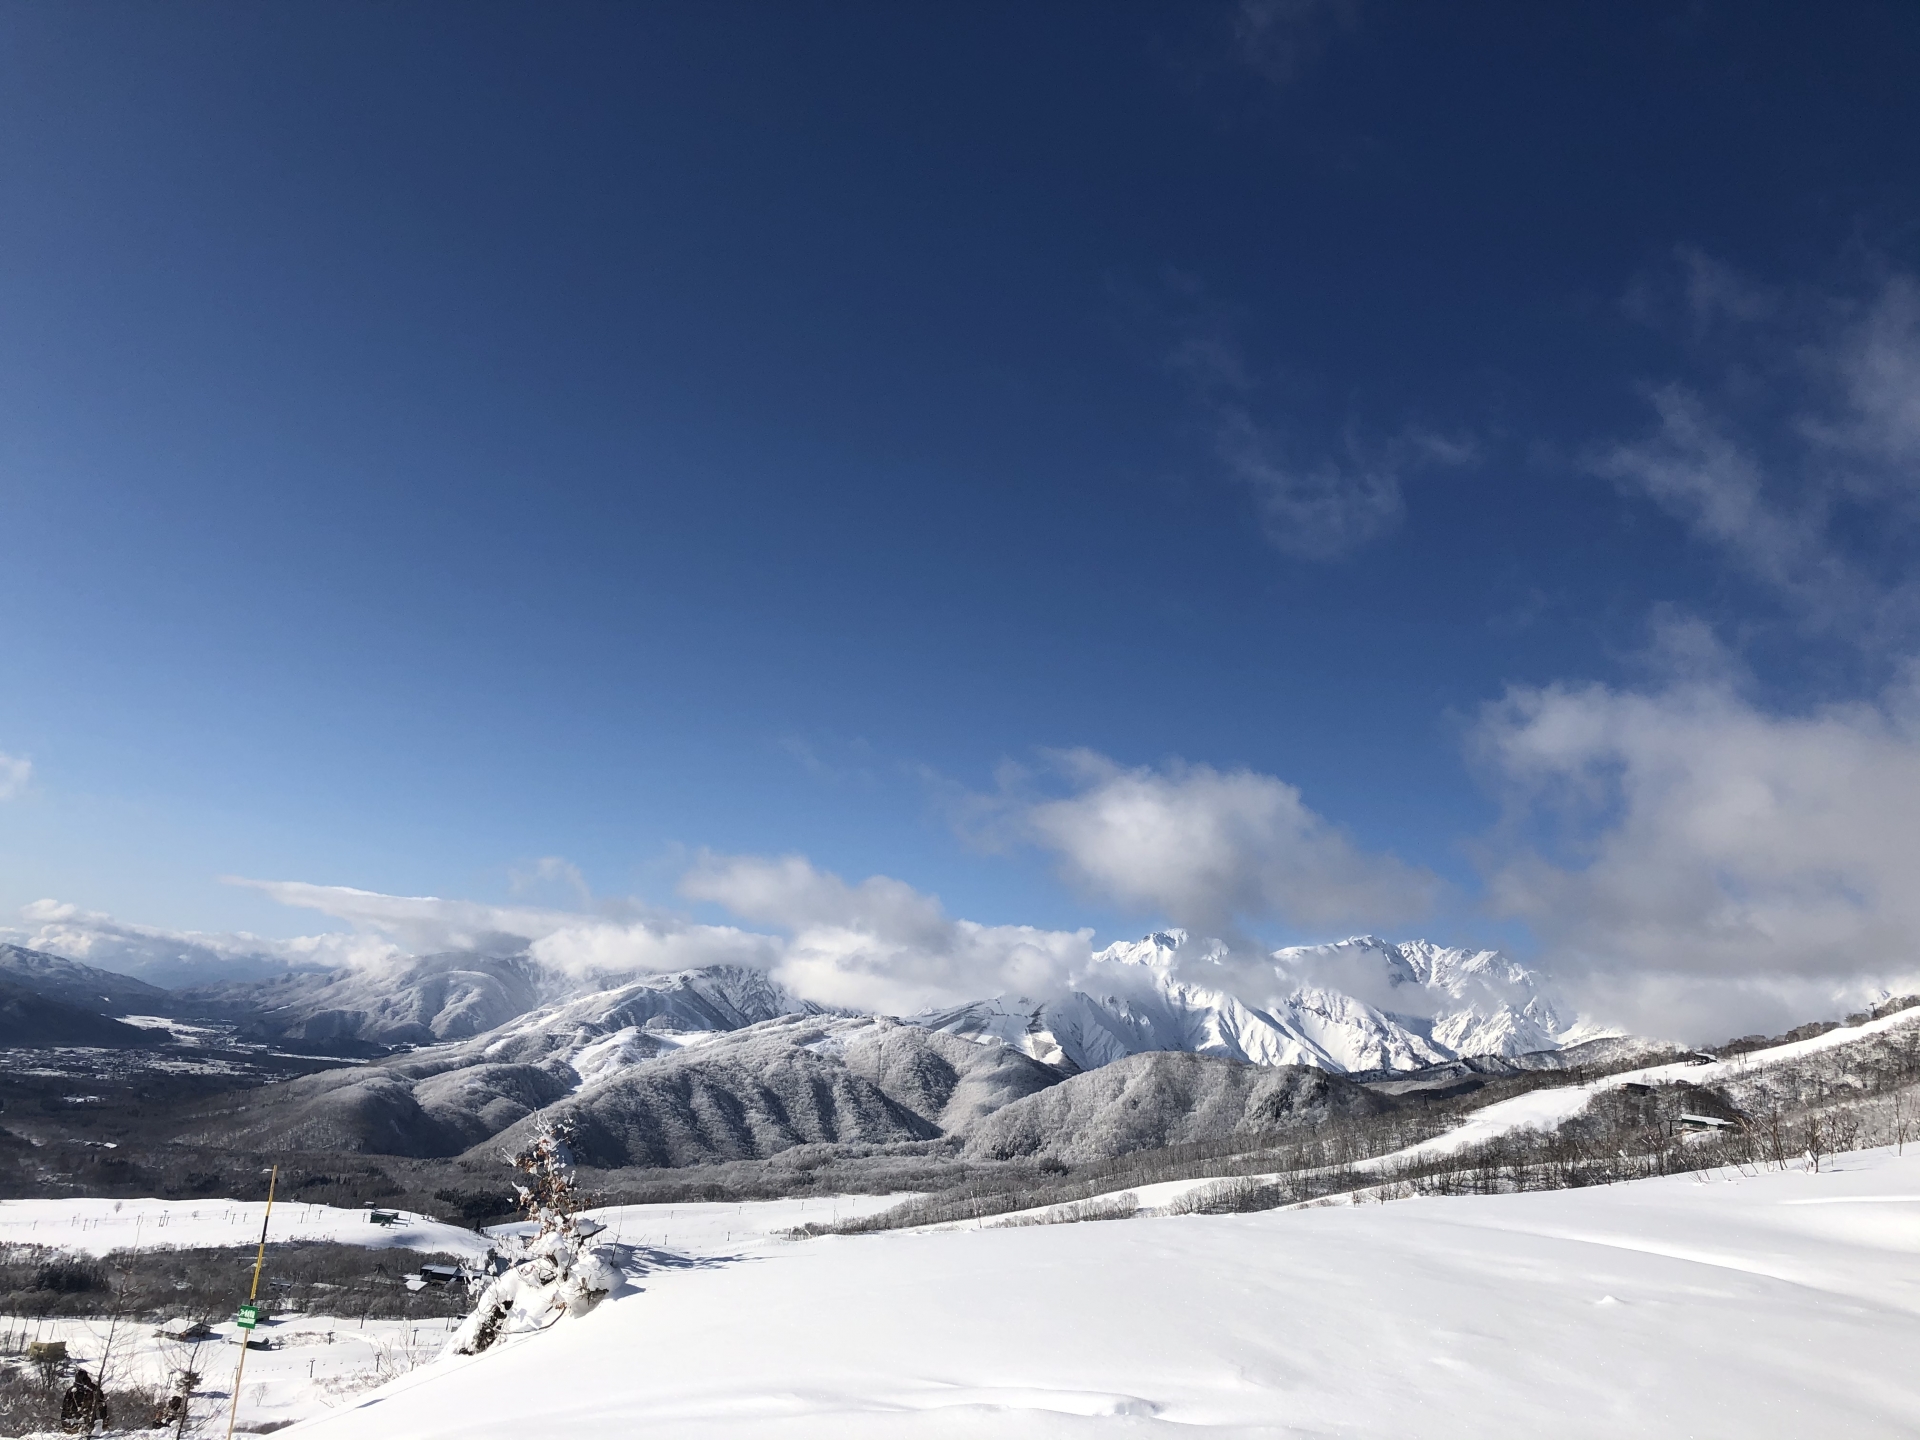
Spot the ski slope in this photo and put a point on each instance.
(1549, 1109)
(1778, 1304)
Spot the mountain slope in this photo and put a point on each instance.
(1145, 1102)
(606, 1029)
(86, 987)
(692, 1098)
(434, 998)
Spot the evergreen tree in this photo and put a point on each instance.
(536, 1279)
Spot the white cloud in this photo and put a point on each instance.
(1699, 473)
(1210, 849)
(880, 944)
(1720, 867)
(875, 945)
(15, 772)
(632, 940)
(179, 957)
(421, 924)
(592, 946)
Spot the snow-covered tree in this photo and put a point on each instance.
(551, 1272)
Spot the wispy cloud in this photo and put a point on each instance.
(1694, 469)
(15, 772)
(549, 874)
(1314, 502)
(1277, 39)
(1796, 458)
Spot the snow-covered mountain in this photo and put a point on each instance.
(603, 1031)
(1356, 1005)
(723, 1063)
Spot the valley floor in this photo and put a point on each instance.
(1750, 1306)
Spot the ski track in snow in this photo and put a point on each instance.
(1682, 1306)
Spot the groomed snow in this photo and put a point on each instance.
(1779, 1304)
(724, 1229)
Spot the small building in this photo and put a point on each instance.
(1634, 1087)
(1705, 1122)
(444, 1275)
(383, 1217)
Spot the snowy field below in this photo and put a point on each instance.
(315, 1362)
(98, 1227)
(1750, 1306)
(708, 1230)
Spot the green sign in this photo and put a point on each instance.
(249, 1316)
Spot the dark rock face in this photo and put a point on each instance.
(1145, 1102)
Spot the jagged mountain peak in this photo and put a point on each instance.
(1362, 1003)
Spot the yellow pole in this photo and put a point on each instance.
(259, 1259)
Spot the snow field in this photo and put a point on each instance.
(316, 1363)
(721, 1229)
(1749, 1306)
(95, 1227)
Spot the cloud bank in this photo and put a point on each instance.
(875, 945)
(187, 957)
(881, 944)
(1214, 850)
(1718, 866)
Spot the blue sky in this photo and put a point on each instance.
(436, 439)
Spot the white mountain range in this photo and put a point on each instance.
(1424, 1004)
(1361, 1004)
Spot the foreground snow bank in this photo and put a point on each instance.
(1769, 1305)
